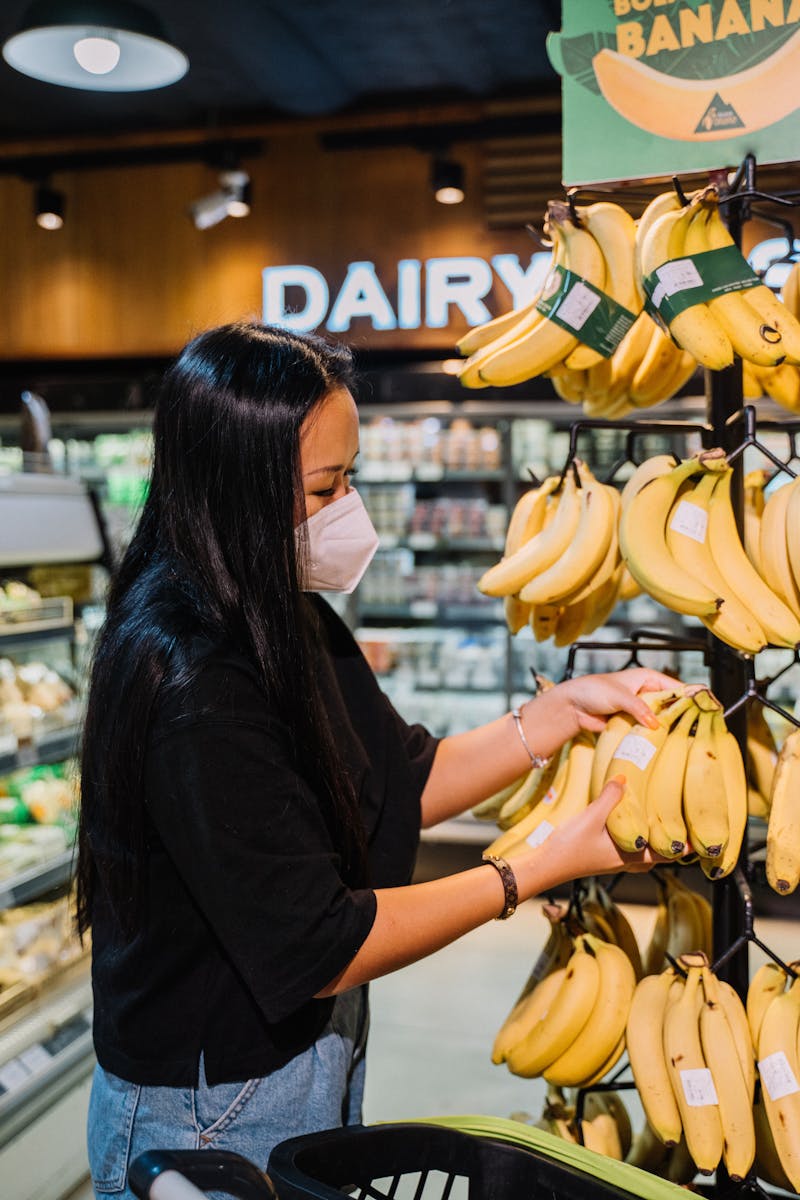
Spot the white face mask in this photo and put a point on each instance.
(341, 541)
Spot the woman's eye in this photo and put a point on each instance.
(327, 492)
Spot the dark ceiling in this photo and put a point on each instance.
(262, 59)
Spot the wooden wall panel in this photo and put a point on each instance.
(129, 274)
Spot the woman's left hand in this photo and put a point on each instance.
(593, 698)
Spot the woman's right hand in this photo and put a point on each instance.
(581, 846)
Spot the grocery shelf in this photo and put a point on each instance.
(36, 881)
(430, 610)
(429, 541)
(405, 473)
(52, 747)
(43, 1048)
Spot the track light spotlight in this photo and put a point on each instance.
(48, 207)
(447, 180)
(97, 45)
(231, 199)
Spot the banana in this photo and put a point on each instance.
(568, 795)
(777, 1046)
(676, 373)
(783, 830)
(757, 805)
(762, 752)
(644, 1038)
(686, 932)
(568, 385)
(607, 741)
(754, 482)
(510, 575)
(614, 230)
(482, 335)
(689, 544)
(610, 561)
(544, 618)
(653, 959)
(526, 1014)
(516, 614)
(629, 589)
(734, 791)
(528, 516)
(613, 1104)
(734, 1093)
(659, 360)
(664, 202)
(556, 951)
(791, 291)
(768, 982)
(671, 107)
(695, 329)
(667, 833)
(766, 304)
(532, 790)
(601, 1033)
(751, 384)
(652, 468)
(648, 1152)
(705, 806)
(775, 551)
(602, 1135)
(792, 527)
(627, 823)
(489, 809)
(601, 603)
(737, 1019)
(621, 929)
(546, 344)
(752, 339)
(569, 1011)
(643, 544)
(628, 355)
(782, 384)
(585, 553)
(768, 1164)
(570, 622)
(778, 621)
(687, 1068)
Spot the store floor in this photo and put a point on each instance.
(433, 1023)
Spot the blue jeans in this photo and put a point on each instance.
(322, 1088)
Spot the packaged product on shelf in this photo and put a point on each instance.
(25, 846)
(17, 597)
(36, 939)
(33, 698)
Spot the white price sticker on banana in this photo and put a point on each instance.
(578, 305)
(698, 1087)
(691, 520)
(540, 834)
(777, 1076)
(677, 275)
(635, 749)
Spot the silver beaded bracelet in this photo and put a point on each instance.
(537, 760)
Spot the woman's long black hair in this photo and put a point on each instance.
(213, 554)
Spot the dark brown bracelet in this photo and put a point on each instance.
(509, 885)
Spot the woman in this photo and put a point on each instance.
(251, 801)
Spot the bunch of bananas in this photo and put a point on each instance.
(646, 369)
(773, 1013)
(682, 923)
(525, 342)
(570, 1028)
(685, 781)
(649, 1153)
(752, 323)
(691, 1054)
(561, 570)
(781, 383)
(783, 830)
(679, 540)
(762, 757)
(604, 1127)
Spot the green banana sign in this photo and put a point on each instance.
(655, 87)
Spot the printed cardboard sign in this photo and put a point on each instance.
(659, 87)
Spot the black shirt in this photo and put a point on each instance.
(248, 914)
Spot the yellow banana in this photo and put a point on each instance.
(734, 791)
(686, 932)
(610, 737)
(671, 107)
(601, 603)
(751, 338)
(643, 544)
(783, 830)
(526, 1014)
(489, 809)
(778, 621)
(775, 549)
(648, 1152)
(614, 231)
(733, 1092)
(653, 960)
(570, 622)
(585, 553)
(667, 833)
(605, 1026)
(664, 202)
(482, 335)
(556, 951)
(559, 1026)
(779, 1070)
(659, 360)
(621, 929)
(510, 575)
(768, 1164)
(544, 618)
(644, 1038)
(610, 561)
(782, 384)
(691, 1080)
(793, 533)
(689, 544)
(791, 291)
(547, 343)
(705, 807)
(695, 329)
(524, 799)
(768, 982)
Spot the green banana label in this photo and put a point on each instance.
(681, 283)
(581, 308)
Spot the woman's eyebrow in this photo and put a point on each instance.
(337, 467)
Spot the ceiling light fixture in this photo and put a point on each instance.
(447, 180)
(98, 45)
(48, 207)
(231, 199)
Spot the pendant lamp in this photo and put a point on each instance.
(114, 46)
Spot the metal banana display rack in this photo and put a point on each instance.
(735, 428)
